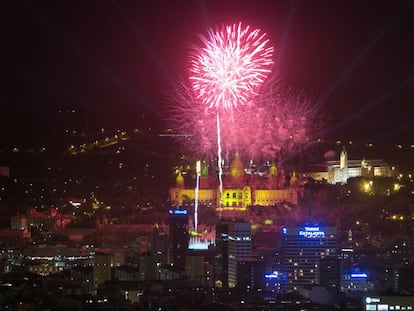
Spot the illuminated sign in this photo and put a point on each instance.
(273, 275)
(284, 230)
(311, 233)
(178, 212)
(359, 275)
(371, 300)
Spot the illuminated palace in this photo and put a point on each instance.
(241, 188)
(339, 171)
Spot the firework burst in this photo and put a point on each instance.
(230, 66)
(279, 124)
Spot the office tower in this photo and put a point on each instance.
(303, 248)
(102, 264)
(250, 275)
(178, 221)
(239, 248)
(195, 267)
(355, 280)
(330, 272)
(148, 268)
(222, 254)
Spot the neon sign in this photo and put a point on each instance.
(371, 299)
(359, 275)
(178, 212)
(311, 233)
(273, 275)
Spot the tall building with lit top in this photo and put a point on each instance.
(178, 221)
(302, 250)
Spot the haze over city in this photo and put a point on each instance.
(151, 151)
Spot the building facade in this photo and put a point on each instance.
(179, 238)
(302, 250)
(338, 171)
(242, 188)
(239, 248)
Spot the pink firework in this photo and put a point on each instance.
(279, 123)
(231, 66)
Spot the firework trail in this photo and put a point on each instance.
(228, 69)
(198, 172)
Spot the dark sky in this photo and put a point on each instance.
(114, 60)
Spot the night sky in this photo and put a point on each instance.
(114, 60)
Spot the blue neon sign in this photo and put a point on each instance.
(178, 212)
(311, 233)
(273, 275)
(359, 275)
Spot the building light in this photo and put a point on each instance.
(311, 232)
(178, 212)
(359, 275)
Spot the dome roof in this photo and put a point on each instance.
(236, 167)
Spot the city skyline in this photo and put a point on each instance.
(207, 155)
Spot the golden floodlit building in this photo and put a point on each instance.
(241, 188)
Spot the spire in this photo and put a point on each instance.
(343, 159)
(273, 170)
(179, 180)
(204, 169)
(293, 180)
(364, 163)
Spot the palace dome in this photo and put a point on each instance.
(236, 168)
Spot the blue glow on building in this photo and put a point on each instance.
(311, 233)
(359, 275)
(178, 212)
(272, 276)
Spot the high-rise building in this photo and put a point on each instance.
(178, 221)
(251, 275)
(302, 249)
(102, 264)
(239, 248)
(148, 268)
(222, 254)
(355, 280)
(195, 267)
(233, 245)
(330, 272)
